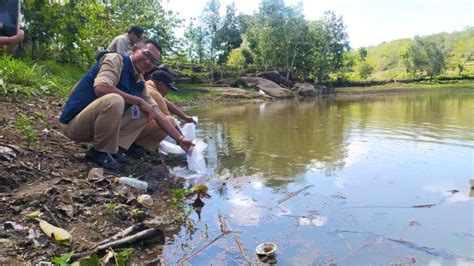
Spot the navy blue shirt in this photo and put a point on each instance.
(84, 93)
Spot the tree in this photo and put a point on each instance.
(365, 70)
(363, 54)
(228, 36)
(194, 36)
(296, 42)
(425, 55)
(320, 51)
(39, 25)
(329, 42)
(210, 22)
(72, 31)
(337, 38)
(436, 58)
(268, 31)
(240, 58)
(414, 57)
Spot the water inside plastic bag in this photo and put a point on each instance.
(168, 147)
(196, 159)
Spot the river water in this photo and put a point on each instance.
(344, 180)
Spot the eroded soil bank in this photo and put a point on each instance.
(44, 176)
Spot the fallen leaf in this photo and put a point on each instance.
(54, 232)
(67, 208)
(33, 214)
(199, 188)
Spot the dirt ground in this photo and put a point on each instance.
(44, 175)
(47, 179)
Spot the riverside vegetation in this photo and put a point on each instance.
(38, 74)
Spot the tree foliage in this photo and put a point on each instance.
(276, 37)
(228, 35)
(72, 31)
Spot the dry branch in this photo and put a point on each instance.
(292, 194)
(239, 243)
(163, 164)
(195, 253)
(224, 228)
(126, 232)
(51, 215)
(142, 235)
(224, 231)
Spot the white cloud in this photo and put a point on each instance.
(244, 210)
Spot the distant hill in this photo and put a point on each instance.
(387, 58)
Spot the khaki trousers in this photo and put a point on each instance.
(152, 134)
(105, 123)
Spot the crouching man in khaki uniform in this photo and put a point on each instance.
(110, 105)
(158, 85)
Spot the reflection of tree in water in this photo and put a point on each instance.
(279, 138)
(282, 139)
(197, 205)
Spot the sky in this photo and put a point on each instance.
(368, 22)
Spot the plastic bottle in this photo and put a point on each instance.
(131, 182)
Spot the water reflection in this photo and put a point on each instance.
(284, 139)
(366, 163)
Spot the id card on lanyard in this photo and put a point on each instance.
(135, 111)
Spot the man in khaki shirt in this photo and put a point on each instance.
(123, 43)
(110, 105)
(158, 85)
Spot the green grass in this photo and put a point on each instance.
(424, 85)
(24, 77)
(28, 78)
(191, 94)
(66, 71)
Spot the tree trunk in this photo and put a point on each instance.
(291, 66)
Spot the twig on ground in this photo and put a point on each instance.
(292, 194)
(129, 239)
(51, 215)
(126, 232)
(142, 235)
(87, 241)
(163, 164)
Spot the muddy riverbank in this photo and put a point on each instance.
(44, 176)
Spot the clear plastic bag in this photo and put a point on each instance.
(168, 147)
(196, 159)
(189, 131)
(169, 139)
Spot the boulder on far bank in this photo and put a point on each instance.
(268, 86)
(305, 89)
(320, 89)
(276, 77)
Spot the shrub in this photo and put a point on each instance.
(27, 127)
(31, 79)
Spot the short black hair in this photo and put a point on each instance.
(136, 30)
(153, 42)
